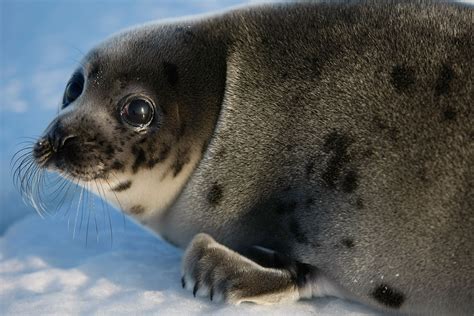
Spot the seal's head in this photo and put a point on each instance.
(137, 114)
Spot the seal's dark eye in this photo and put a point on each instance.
(73, 89)
(137, 112)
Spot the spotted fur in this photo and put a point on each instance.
(336, 135)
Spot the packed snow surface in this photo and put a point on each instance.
(44, 270)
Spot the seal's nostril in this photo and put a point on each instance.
(65, 139)
(58, 136)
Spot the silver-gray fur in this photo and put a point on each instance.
(338, 138)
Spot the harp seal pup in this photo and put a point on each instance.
(294, 150)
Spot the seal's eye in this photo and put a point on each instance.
(73, 89)
(137, 112)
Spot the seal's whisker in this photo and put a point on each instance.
(76, 187)
(77, 213)
(95, 213)
(106, 212)
(88, 199)
(68, 186)
(122, 210)
(20, 169)
(19, 154)
(83, 202)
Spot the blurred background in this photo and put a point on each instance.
(42, 42)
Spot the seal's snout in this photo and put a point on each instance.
(54, 141)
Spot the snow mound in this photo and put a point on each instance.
(43, 270)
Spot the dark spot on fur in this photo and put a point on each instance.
(214, 196)
(449, 114)
(109, 151)
(117, 165)
(122, 186)
(171, 73)
(384, 127)
(350, 182)
(137, 209)
(309, 170)
(347, 242)
(140, 158)
(162, 155)
(182, 158)
(287, 188)
(292, 206)
(295, 229)
(388, 296)
(309, 201)
(316, 65)
(445, 76)
(221, 153)
(282, 207)
(338, 144)
(402, 77)
(181, 130)
(360, 203)
(422, 174)
(188, 34)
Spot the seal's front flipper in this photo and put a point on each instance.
(211, 269)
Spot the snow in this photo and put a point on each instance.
(44, 270)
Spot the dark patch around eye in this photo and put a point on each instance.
(388, 296)
(122, 186)
(171, 73)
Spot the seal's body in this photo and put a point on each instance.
(336, 138)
